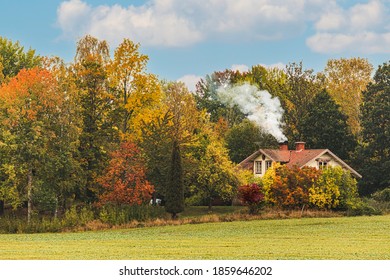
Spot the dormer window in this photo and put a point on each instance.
(322, 163)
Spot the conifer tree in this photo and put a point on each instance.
(175, 191)
(374, 156)
(325, 126)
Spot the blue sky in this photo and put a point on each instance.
(187, 39)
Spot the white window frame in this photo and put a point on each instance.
(268, 164)
(258, 163)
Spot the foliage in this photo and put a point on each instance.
(134, 91)
(207, 97)
(29, 113)
(245, 138)
(325, 126)
(90, 72)
(175, 189)
(301, 88)
(216, 176)
(382, 195)
(251, 195)
(123, 181)
(13, 59)
(332, 188)
(325, 192)
(374, 155)
(123, 214)
(288, 188)
(345, 81)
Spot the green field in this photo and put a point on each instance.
(308, 238)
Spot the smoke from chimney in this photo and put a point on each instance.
(261, 108)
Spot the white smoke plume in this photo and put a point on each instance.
(261, 108)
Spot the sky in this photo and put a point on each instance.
(188, 39)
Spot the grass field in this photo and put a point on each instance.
(309, 238)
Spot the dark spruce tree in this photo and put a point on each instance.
(374, 154)
(325, 126)
(174, 199)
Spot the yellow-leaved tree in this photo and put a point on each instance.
(345, 81)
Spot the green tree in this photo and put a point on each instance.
(325, 126)
(90, 70)
(274, 80)
(207, 97)
(174, 199)
(245, 138)
(13, 58)
(302, 87)
(176, 119)
(28, 111)
(215, 175)
(374, 155)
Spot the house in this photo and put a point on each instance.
(263, 159)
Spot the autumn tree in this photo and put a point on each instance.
(273, 80)
(29, 109)
(124, 180)
(345, 81)
(90, 70)
(325, 126)
(374, 155)
(14, 58)
(135, 92)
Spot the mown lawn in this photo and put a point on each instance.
(308, 238)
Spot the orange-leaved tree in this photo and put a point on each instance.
(289, 187)
(124, 180)
(30, 106)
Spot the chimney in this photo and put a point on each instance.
(299, 146)
(283, 146)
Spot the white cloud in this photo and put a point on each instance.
(178, 23)
(183, 23)
(362, 28)
(366, 42)
(278, 65)
(240, 68)
(190, 81)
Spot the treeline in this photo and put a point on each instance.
(102, 131)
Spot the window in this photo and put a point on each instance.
(322, 164)
(258, 167)
(268, 164)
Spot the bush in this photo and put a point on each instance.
(358, 207)
(122, 214)
(383, 195)
(252, 196)
(74, 217)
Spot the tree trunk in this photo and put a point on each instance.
(29, 194)
(210, 204)
(1, 207)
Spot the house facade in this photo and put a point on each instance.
(261, 160)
